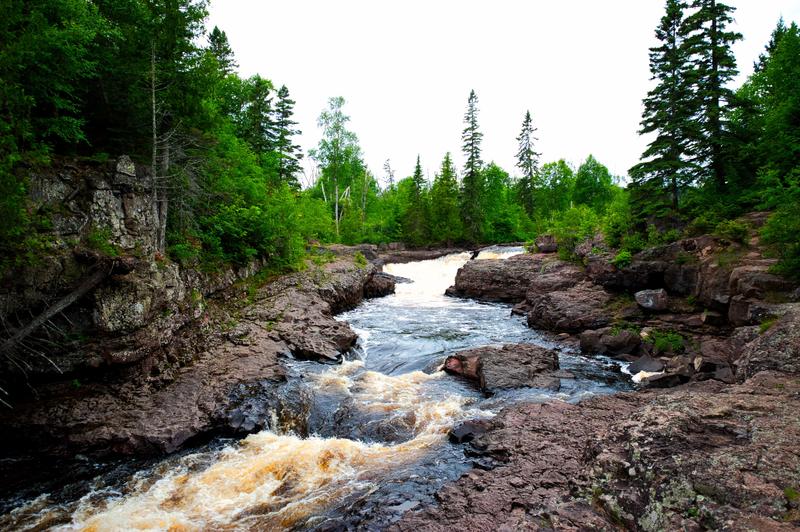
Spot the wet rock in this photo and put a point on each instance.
(546, 244)
(379, 285)
(647, 364)
(468, 431)
(495, 368)
(687, 458)
(581, 307)
(401, 255)
(654, 300)
(610, 340)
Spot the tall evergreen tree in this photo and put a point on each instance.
(221, 49)
(445, 219)
(257, 126)
(769, 49)
(667, 113)
(289, 154)
(708, 44)
(472, 182)
(528, 163)
(416, 215)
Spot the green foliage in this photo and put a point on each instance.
(782, 233)
(666, 341)
(360, 260)
(622, 259)
(732, 230)
(99, 239)
(571, 227)
(766, 324)
(593, 185)
(617, 222)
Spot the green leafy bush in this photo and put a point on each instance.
(572, 227)
(622, 259)
(732, 230)
(782, 233)
(360, 260)
(666, 341)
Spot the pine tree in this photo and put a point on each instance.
(257, 126)
(472, 183)
(289, 154)
(713, 65)
(221, 49)
(416, 216)
(777, 34)
(445, 217)
(666, 113)
(528, 163)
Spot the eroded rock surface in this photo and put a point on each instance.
(708, 455)
(507, 366)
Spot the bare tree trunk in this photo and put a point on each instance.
(154, 157)
(336, 205)
(60, 305)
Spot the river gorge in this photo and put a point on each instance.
(374, 443)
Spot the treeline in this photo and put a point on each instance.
(718, 152)
(147, 78)
(485, 203)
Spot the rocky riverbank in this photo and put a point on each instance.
(136, 354)
(711, 444)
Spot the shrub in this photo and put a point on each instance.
(361, 261)
(100, 241)
(732, 230)
(622, 259)
(617, 222)
(701, 225)
(571, 227)
(782, 233)
(184, 253)
(666, 341)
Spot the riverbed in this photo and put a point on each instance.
(374, 443)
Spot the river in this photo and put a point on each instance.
(378, 424)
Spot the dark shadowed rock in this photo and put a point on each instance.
(655, 300)
(379, 285)
(468, 431)
(495, 368)
(610, 340)
(646, 363)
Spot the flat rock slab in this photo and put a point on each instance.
(707, 455)
(508, 366)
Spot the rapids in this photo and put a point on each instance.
(378, 424)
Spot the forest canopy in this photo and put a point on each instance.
(147, 78)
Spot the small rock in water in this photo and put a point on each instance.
(467, 431)
(647, 364)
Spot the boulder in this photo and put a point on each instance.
(747, 311)
(777, 348)
(546, 244)
(580, 307)
(508, 366)
(707, 455)
(379, 284)
(508, 280)
(647, 364)
(610, 341)
(654, 300)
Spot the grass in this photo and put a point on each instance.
(767, 323)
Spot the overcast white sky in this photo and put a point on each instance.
(406, 69)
